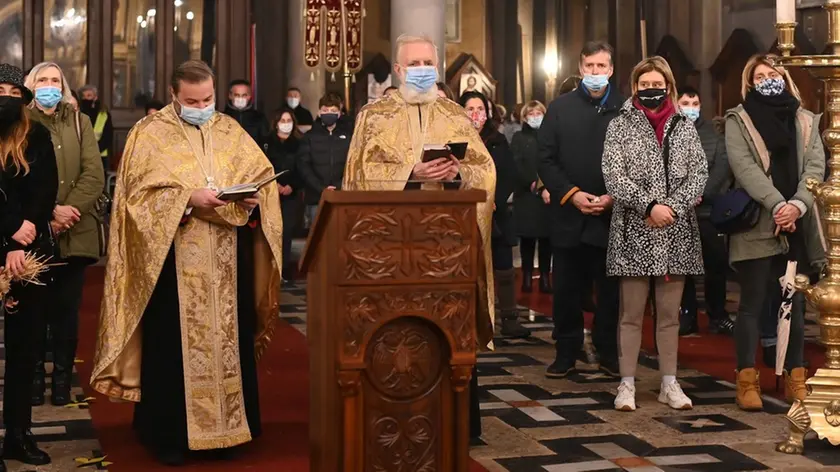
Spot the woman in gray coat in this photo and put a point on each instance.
(655, 169)
(774, 147)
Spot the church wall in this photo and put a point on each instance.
(756, 16)
(474, 33)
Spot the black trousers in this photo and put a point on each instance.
(716, 262)
(528, 247)
(23, 334)
(475, 408)
(161, 417)
(573, 268)
(502, 254)
(62, 317)
(290, 206)
(761, 292)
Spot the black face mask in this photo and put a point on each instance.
(329, 119)
(652, 98)
(89, 105)
(10, 110)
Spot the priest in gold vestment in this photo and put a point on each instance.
(386, 154)
(192, 282)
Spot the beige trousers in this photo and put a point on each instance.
(634, 297)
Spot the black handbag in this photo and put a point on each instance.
(734, 212)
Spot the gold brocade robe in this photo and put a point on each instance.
(158, 173)
(387, 143)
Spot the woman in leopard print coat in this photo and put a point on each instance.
(655, 170)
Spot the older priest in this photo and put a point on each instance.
(192, 282)
(387, 149)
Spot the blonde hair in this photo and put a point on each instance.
(655, 64)
(13, 146)
(410, 39)
(529, 107)
(32, 79)
(768, 60)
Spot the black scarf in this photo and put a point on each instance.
(775, 120)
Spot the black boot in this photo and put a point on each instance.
(511, 327)
(19, 445)
(545, 282)
(527, 281)
(39, 384)
(62, 376)
(688, 322)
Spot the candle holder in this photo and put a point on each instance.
(785, 41)
(820, 411)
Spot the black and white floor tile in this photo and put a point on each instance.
(531, 423)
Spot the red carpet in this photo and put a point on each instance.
(284, 403)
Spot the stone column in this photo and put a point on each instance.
(420, 18)
(309, 81)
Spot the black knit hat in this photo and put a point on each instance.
(12, 75)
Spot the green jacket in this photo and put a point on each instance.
(750, 164)
(81, 178)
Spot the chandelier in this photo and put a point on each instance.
(70, 27)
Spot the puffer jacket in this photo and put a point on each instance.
(750, 161)
(638, 174)
(80, 176)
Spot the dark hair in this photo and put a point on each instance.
(234, 83)
(191, 72)
(278, 113)
(446, 90)
(153, 105)
(594, 47)
(687, 90)
(331, 100)
(491, 126)
(293, 89)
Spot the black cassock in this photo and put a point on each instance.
(161, 416)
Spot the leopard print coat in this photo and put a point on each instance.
(635, 174)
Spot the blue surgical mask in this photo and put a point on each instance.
(771, 87)
(48, 97)
(421, 78)
(535, 121)
(693, 113)
(595, 83)
(197, 116)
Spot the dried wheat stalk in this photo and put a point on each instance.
(33, 267)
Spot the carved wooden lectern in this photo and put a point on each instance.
(392, 291)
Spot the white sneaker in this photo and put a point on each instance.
(673, 396)
(626, 398)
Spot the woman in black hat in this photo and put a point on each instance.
(28, 187)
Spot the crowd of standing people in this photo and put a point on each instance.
(613, 196)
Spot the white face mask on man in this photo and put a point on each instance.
(240, 103)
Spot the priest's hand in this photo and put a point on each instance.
(454, 169)
(15, 261)
(435, 170)
(26, 234)
(205, 198)
(248, 204)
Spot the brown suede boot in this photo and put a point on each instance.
(795, 388)
(748, 396)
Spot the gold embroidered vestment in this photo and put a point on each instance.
(158, 173)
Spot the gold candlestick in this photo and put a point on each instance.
(820, 412)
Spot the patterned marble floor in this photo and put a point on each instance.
(532, 424)
(66, 433)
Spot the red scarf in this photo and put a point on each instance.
(657, 118)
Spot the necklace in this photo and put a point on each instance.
(211, 181)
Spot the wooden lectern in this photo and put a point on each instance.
(392, 291)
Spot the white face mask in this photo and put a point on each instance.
(285, 128)
(240, 103)
(293, 102)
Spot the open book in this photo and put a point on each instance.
(243, 191)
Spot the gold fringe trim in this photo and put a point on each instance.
(225, 442)
(112, 389)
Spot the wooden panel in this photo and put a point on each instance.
(391, 362)
(272, 18)
(573, 34)
(233, 40)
